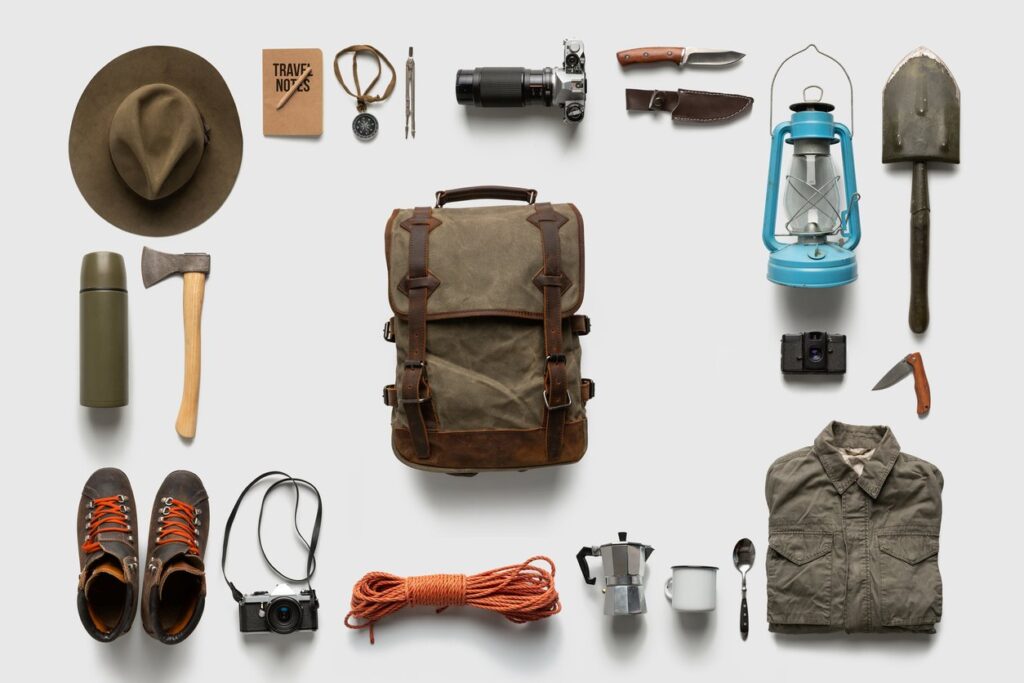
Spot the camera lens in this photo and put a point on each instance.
(283, 615)
(815, 354)
(504, 87)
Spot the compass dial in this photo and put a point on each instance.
(365, 126)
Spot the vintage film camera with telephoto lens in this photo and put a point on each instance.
(814, 353)
(565, 87)
(278, 611)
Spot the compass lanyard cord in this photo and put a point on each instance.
(362, 96)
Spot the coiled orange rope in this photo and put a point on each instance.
(520, 592)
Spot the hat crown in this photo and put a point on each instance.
(157, 139)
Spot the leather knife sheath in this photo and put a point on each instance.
(689, 105)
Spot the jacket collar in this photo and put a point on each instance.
(837, 436)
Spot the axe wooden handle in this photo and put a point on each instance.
(920, 236)
(192, 306)
(921, 388)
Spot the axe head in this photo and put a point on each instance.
(157, 265)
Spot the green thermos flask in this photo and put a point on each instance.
(103, 331)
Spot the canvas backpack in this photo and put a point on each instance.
(485, 303)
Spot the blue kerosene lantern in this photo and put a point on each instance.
(821, 214)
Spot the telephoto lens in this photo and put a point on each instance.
(504, 87)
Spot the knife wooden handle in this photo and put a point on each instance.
(921, 388)
(920, 236)
(192, 298)
(649, 55)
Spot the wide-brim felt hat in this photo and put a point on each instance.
(155, 142)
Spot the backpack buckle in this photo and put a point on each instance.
(547, 403)
(389, 332)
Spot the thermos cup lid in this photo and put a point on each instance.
(103, 270)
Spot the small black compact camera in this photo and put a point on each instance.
(814, 353)
(278, 611)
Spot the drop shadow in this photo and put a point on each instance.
(499, 119)
(535, 488)
(624, 635)
(697, 629)
(907, 644)
(803, 309)
(277, 654)
(146, 659)
(530, 646)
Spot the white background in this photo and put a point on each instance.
(691, 407)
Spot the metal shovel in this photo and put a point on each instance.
(920, 123)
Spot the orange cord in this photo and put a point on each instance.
(178, 524)
(105, 514)
(521, 593)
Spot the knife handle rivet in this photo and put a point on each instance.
(669, 53)
(647, 54)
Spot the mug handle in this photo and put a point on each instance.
(668, 589)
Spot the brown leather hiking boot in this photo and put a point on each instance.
(174, 585)
(108, 556)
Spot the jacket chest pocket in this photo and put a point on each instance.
(799, 566)
(910, 587)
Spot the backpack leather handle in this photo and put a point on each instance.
(465, 194)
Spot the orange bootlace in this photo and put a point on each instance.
(105, 514)
(179, 523)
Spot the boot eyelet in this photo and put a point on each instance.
(122, 498)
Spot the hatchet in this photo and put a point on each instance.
(157, 266)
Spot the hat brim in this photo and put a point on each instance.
(89, 149)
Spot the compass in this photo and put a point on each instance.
(365, 126)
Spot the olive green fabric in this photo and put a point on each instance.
(489, 373)
(486, 259)
(853, 552)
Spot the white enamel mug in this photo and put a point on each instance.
(692, 588)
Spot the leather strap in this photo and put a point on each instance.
(580, 325)
(465, 194)
(588, 389)
(689, 105)
(362, 96)
(552, 282)
(418, 284)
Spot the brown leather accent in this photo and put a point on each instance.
(551, 281)
(420, 284)
(649, 55)
(465, 194)
(468, 452)
(689, 105)
(587, 391)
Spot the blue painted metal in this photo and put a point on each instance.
(812, 265)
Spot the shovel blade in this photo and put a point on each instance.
(921, 111)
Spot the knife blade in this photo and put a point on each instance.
(682, 56)
(912, 364)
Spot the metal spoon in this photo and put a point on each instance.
(743, 558)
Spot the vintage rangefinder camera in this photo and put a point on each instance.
(565, 87)
(814, 353)
(278, 611)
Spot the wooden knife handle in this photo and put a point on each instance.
(920, 236)
(192, 306)
(648, 55)
(921, 388)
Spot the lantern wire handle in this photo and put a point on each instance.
(771, 95)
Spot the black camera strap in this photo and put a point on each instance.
(311, 544)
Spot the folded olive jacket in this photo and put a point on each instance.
(853, 536)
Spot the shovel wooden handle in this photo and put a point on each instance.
(921, 388)
(920, 236)
(192, 306)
